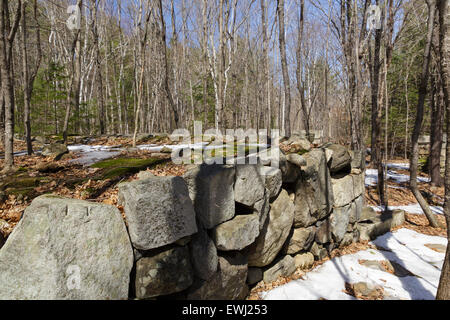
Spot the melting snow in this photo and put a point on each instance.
(412, 208)
(406, 247)
(372, 177)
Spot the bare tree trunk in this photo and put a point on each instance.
(437, 117)
(99, 79)
(166, 67)
(7, 35)
(443, 292)
(419, 119)
(284, 67)
(299, 72)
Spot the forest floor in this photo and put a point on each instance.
(37, 175)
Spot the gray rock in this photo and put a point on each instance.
(236, 234)
(318, 251)
(249, 185)
(67, 249)
(203, 255)
(300, 239)
(380, 224)
(355, 213)
(347, 239)
(298, 144)
(323, 232)
(398, 218)
(211, 189)
(290, 172)
(228, 283)
(283, 268)
(163, 273)
(313, 192)
(254, 276)
(262, 207)
(158, 210)
(340, 158)
(368, 214)
(274, 233)
(342, 191)
(358, 185)
(339, 221)
(304, 260)
(358, 159)
(54, 150)
(296, 159)
(273, 180)
(145, 175)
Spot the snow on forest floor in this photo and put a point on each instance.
(372, 176)
(416, 261)
(405, 265)
(412, 208)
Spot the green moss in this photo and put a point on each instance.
(24, 192)
(120, 167)
(20, 182)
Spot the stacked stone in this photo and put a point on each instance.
(207, 235)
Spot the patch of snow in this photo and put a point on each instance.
(371, 178)
(412, 208)
(406, 247)
(92, 154)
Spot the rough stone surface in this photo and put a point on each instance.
(313, 192)
(380, 224)
(339, 221)
(164, 273)
(368, 214)
(304, 260)
(254, 276)
(145, 175)
(283, 268)
(300, 239)
(355, 213)
(228, 283)
(211, 189)
(249, 185)
(204, 256)
(358, 159)
(323, 232)
(358, 184)
(273, 180)
(340, 158)
(290, 172)
(236, 234)
(59, 239)
(274, 233)
(158, 210)
(54, 150)
(343, 190)
(262, 207)
(296, 159)
(318, 251)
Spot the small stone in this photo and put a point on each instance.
(283, 268)
(254, 276)
(237, 234)
(304, 260)
(164, 273)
